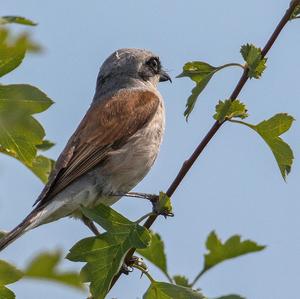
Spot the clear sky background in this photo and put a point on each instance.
(234, 188)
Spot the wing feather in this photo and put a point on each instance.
(107, 124)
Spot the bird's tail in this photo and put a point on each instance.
(27, 224)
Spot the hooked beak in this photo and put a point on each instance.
(164, 76)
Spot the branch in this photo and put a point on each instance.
(216, 126)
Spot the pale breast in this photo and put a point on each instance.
(127, 166)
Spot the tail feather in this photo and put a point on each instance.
(23, 227)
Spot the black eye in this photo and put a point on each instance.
(154, 64)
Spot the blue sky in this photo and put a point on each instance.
(234, 188)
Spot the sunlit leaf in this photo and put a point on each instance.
(201, 73)
(270, 130)
(42, 167)
(6, 293)
(9, 273)
(44, 266)
(155, 253)
(233, 247)
(20, 133)
(104, 254)
(255, 62)
(181, 280)
(163, 290)
(230, 109)
(16, 20)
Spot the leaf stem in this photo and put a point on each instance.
(197, 278)
(217, 125)
(231, 64)
(145, 216)
(144, 272)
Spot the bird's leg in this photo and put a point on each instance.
(153, 198)
(90, 224)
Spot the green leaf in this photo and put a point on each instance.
(181, 280)
(255, 62)
(12, 51)
(155, 253)
(16, 20)
(164, 205)
(9, 273)
(105, 254)
(296, 13)
(232, 296)
(20, 133)
(229, 109)
(6, 293)
(201, 73)
(270, 130)
(163, 290)
(42, 167)
(46, 145)
(44, 266)
(26, 98)
(233, 247)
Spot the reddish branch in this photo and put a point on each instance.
(216, 126)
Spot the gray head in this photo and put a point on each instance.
(130, 67)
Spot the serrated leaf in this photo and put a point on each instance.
(181, 280)
(9, 273)
(105, 254)
(232, 296)
(20, 133)
(229, 109)
(255, 62)
(163, 290)
(42, 167)
(16, 20)
(219, 252)
(270, 130)
(296, 13)
(155, 253)
(201, 73)
(6, 293)
(44, 266)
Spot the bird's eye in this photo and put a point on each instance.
(154, 64)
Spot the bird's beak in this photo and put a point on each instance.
(164, 76)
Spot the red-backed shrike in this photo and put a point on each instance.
(114, 146)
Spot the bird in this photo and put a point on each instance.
(114, 146)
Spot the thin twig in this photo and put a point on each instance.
(216, 126)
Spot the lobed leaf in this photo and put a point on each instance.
(201, 73)
(104, 254)
(155, 253)
(9, 273)
(163, 290)
(255, 62)
(233, 247)
(44, 266)
(229, 109)
(270, 130)
(46, 145)
(16, 20)
(181, 280)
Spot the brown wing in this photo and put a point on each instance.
(105, 124)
